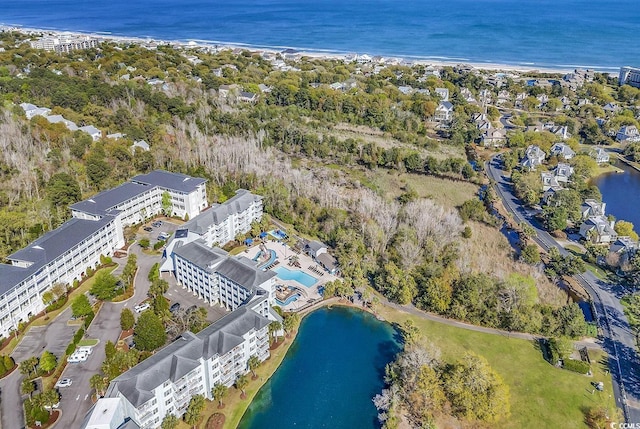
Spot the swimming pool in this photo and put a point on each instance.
(287, 301)
(296, 275)
(278, 234)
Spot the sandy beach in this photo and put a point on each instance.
(341, 56)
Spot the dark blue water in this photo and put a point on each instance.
(595, 33)
(621, 192)
(329, 376)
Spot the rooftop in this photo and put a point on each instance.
(218, 213)
(174, 181)
(106, 200)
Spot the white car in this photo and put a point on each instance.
(64, 382)
(84, 349)
(141, 307)
(78, 356)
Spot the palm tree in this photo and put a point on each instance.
(274, 327)
(218, 391)
(50, 398)
(241, 383)
(99, 383)
(253, 363)
(27, 387)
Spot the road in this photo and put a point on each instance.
(617, 338)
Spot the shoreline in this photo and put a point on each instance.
(308, 52)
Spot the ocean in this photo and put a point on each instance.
(599, 34)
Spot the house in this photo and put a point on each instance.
(598, 230)
(561, 131)
(328, 262)
(57, 119)
(248, 97)
(467, 95)
(444, 112)
(562, 150)
(406, 90)
(534, 156)
(95, 133)
(31, 110)
(485, 96)
(591, 208)
(116, 136)
(141, 144)
(479, 117)
(566, 103)
(562, 172)
(484, 125)
(443, 93)
(611, 108)
(493, 137)
(600, 155)
(628, 134)
(622, 251)
(337, 86)
(504, 97)
(543, 100)
(264, 88)
(155, 81)
(549, 182)
(224, 90)
(629, 76)
(315, 248)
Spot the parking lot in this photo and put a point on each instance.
(54, 337)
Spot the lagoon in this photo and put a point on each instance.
(621, 192)
(329, 375)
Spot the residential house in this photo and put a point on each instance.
(629, 76)
(264, 88)
(247, 97)
(95, 133)
(562, 150)
(549, 182)
(444, 112)
(543, 100)
(611, 108)
(141, 144)
(406, 90)
(628, 134)
(31, 110)
(443, 93)
(493, 137)
(503, 97)
(534, 156)
(562, 172)
(622, 251)
(467, 95)
(591, 208)
(598, 230)
(600, 155)
(58, 119)
(116, 136)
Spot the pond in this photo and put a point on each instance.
(329, 376)
(621, 192)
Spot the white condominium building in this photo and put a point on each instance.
(64, 44)
(223, 222)
(165, 382)
(216, 277)
(629, 76)
(97, 228)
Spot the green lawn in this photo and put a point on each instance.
(90, 342)
(542, 396)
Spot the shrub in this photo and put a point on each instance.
(57, 304)
(158, 245)
(466, 232)
(78, 336)
(9, 362)
(576, 366)
(89, 319)
(70, 348)
(105, 260)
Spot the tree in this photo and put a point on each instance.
(274, 328)
(28, 367)
(48, 361)
(158, 288)
(27, 387)
(290, 322)
(624, 228)
(253, 363)
(149, 333)
(99, 383)
(194, 410)
(109, 349)
(154, 273)
(530, 254)
(218, 392)
(129, 270)
(49, 398)
(104, 286)
(144, 243)
(166, 203)
(475, 390)
(241, 382)
(47, 298)
(169, 422)
(127, 319)
(555, 218)
(63, 190)
(81, 306)
(410, 332)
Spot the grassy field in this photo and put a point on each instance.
(542, 396)
(449, 193)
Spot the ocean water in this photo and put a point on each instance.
(601, 34)
(329, 376)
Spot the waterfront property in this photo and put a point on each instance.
(165, 382)
(97, 228)
(299, 276)
(629, 76)
(64, 44)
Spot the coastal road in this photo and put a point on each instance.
(618, 339)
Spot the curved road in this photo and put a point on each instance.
(618, 339)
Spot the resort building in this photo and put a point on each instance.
(629, 76)
(216, 277)
(64, 45)
(223, 222)
(97, 228)
(165, 382)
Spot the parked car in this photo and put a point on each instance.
(174, 307)
(157, 223)
(64, 382)
(163, 236)
(148, 229)
(85, 349)
(78, 356)
(141, 307)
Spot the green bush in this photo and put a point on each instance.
(576, 366)
(105, 260)
(78, 336)
(88, 319)
(158, 245)
(57, 304)
(9, 362)
(70, 349)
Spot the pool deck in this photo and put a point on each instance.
(283, 254)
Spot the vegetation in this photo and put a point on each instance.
(149, 332)
(127, 319)
(105, 286)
